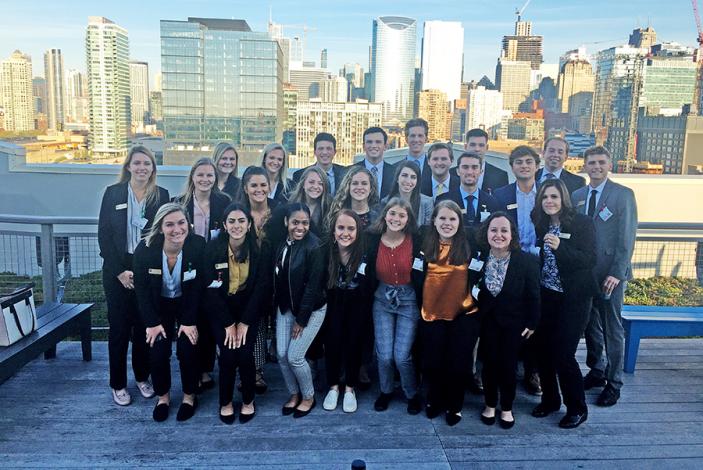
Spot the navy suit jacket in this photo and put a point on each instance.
(570, 180)
(493, 178)
(426, 185)
(486, 203)
(506, 197)
(387, 182)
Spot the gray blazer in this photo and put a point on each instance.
(615, 237)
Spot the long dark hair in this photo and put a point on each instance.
(356, 251)
(250, 244)
(248, 174)
(539, 218)
(482, 235)
(459, 251)
(415, 195)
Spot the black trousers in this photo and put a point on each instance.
(241, 359)
(206, 343)
(447, 354)
(344, 325)
(561, 326)
(160, 354)
(498, 351)
(125, 325)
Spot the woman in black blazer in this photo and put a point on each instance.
(568, 255)
(510, 304)
(204, 204)
(167, 280)
(237, 280)
(274, 159)
(226, 161)
(126, 213)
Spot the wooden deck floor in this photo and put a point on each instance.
(59, 413)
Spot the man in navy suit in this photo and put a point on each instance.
(325, 146)
(556, 151)
(375, 140)
(440, 157)
(491, 177)
(614, 211)
(416, 131)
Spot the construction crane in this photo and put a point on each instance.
(519, 12)
(698, 58)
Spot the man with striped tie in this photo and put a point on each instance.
(440, 157)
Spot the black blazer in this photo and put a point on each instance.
(282, 190)
(486, 203)
(493, 178)
(112, 226)
(306, 276)
(388, 175)
(518, 302)
(373, 242)
(218, 203)
(576, 256)
(249, 300)
(338, 170)
(426, 187)
(570, 180)
(232, 187)
(148, 262)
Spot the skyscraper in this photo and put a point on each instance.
(221, 81)
(139, 94)
(523, 46)
(393, 46)
(301, 79)
(323, 59)
(433, 107)
(669, 80)
(38, 94)
(334, 89)
(442, 57)
(575, 89)
(107, 59)
(513, 81)
(76, 97)
(56, 96)
(484, 110)
(643, 37)
(16, 96)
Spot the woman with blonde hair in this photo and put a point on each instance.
(358, 192)
(313, 190)
(226, 161)
(274, 159)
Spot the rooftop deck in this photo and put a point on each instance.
(59, 413)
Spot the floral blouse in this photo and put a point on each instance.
(495, 273)
(550, 271)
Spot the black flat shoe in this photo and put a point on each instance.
(244, 418)
(488, 421)
(186, 410)
(431, 411)
(573, 421)
(228, 419)
(299, 414)
(160, 412)
(506, 424)
(289, 410)
(542, 410)
(381, 403)
(414, 405)
(452, 419)
(609, 396)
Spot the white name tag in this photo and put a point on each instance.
(463, 210)
(142, 223)
(214, 233)
(474, 292)
(565, 236)
(512, 206)
(476, 265)
(189, 275)
(605, 214)
(362, 269)
(120, 206)
(221, 266)
(485, 215)
(580, 203)
(155, 271)
(417, 264)
(215, 284)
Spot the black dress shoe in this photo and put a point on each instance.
(299, 414)
(228, 419)
(591, 381)
(506, 424)
(532, 384)
(571, 421)
(542, 410)
(488, 421)
(609, 396)
(431, 411)
(381, 403)
(414, 405)
(160, 412)
(186, 410)
(244, 418)
(452, 419)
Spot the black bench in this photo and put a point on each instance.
(55, 321)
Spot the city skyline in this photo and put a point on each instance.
(345, 31)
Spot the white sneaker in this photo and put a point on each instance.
(331, 399)
(349, 403)
(146, 389)
(121, 397)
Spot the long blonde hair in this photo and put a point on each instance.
(283, 172)
(187, 194)
(155, 230)
(342, 198)
(298, 193)
(151, 193)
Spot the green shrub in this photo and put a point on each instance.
(664, 291)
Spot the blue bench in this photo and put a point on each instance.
(644, 322)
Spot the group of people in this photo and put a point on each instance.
(447, 276)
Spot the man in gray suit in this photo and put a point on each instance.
(614, 212)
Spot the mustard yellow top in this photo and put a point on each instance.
(446, 293)
(238, 272)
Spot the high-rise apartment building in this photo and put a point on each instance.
(156, 112)
(484, 110)
(575, 89)
(76, 97)
(513, 81)
(354, 74)
(323, 59)
(523, 46)
(139, 94)
(303, 78)
(443, 57)
(393, 46)
(433, 107)
(334, 89)
(221, 81)
(38, 94)
(56, 96)
(290, 107)
(346, 121)
(107, 59)
(16, 96)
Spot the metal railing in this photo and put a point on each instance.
(61, 255)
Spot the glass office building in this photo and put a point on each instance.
(221, 81)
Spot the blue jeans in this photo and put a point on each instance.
(395, 317)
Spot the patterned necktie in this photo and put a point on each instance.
(549, 176)
(440, 188)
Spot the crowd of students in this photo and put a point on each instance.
(447, 276)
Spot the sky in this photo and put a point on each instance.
(344, 28)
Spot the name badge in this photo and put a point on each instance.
(580, 203)
(605, 214)
(511, 206)
(120, 206)
(215, 284)
(485, 215)
(418, 265)
(475, 291)
(214, 233)
(142, 223)
(463, 210)
(221, 266)
(189, 275)
(155, 271)
(476, 265)
(362, 269)
(565, 236)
